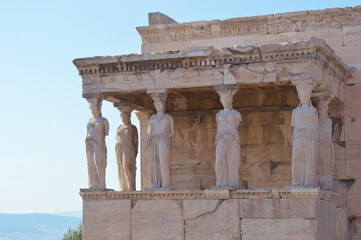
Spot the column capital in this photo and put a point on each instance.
(303, 81)
(124, 107)
(144, 115)
(323, 98)
(226, 89)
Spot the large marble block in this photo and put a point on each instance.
(220, 223)
(157, 219)
(278, 229)
(106, 219)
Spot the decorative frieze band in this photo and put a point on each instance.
(211, 194)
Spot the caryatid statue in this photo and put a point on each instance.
(305, 139)
(126, 150)
(160, 131)
(325, 166)
(96, 150)
(228, 150)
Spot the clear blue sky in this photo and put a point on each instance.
(43, 116)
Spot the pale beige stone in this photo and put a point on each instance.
(342, 224)
(278, 229)
(157, 219)
(355, 229)
(352, 35)
(223, 223)
(349, 54)
(277, 208)
(106, 219)
(268, 38)
(143, 117)
(353, 199)
(333, 37)
(326, 219)
(196, 208)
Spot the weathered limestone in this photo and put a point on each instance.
(143, 117)
(157, 219)
(222, 223)
(341, 224)
(126, 150)
(212, 214)
(96, 150)
(278, 229)
(106, 219)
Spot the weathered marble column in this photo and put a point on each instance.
(305, 138)
(325, 165)
(143, 117)
(228, 150)
(96, 150)
(126, 149)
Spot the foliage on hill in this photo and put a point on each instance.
(74, 234)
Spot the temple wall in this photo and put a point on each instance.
(198, 215)
(341, 29)
(265, 135)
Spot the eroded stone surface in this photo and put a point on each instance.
(106, 219)
(278, 229)
(157, 219)
(220, 224)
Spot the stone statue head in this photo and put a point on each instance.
(159, 102)
(95, 105)
(226, 93)
(304, 91)
(322, 109)
(125, 116)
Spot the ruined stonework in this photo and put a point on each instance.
(297, 82)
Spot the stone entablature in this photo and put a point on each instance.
(284, 193)
(334, 18)
(244, 65)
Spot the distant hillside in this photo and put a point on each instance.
(77, 214)
(35, 226)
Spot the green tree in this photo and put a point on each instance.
(74, 234)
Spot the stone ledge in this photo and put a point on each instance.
(209, 58)
(273, 23)
(305, 193)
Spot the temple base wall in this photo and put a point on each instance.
(211, 214)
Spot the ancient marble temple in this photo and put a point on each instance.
(250, 128)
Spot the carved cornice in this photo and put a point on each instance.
(309, 193)
(274, 23)
(314, 48)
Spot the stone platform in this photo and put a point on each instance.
(296, 213)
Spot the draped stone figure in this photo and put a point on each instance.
(160, 131)
(228, 150)
(325, 166)
(126, 150)
(305, 138)
(96, 150)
